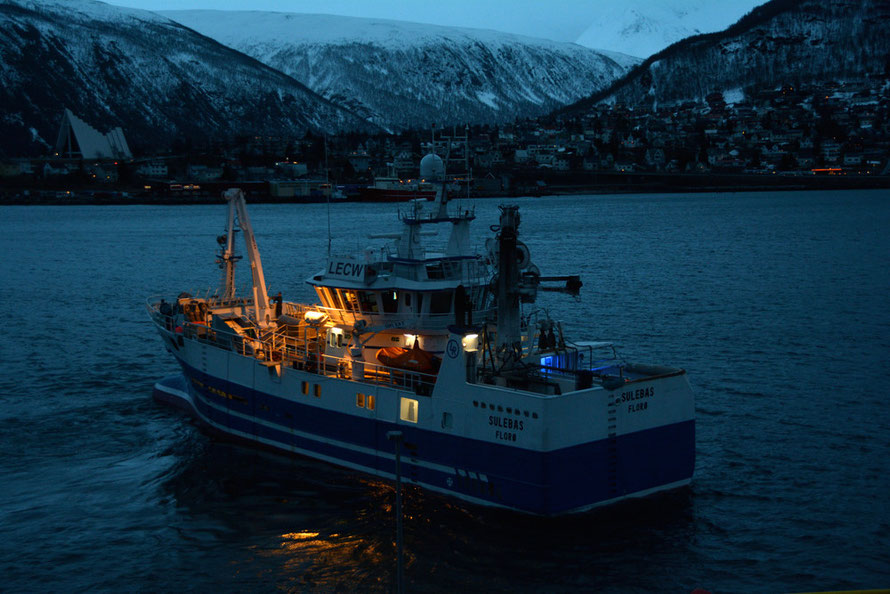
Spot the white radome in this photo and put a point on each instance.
(432, 168)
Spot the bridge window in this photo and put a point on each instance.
(390, 301)
(440, 302)
(350, 302)
(324, 296)
(368, 302)
(479, 294)
(334, 299)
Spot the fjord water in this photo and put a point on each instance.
(775, 303)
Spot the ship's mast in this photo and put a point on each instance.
(227, 257)
(237, 207)
(508, 328)
(518, 281)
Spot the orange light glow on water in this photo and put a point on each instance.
(299, 535)
(319, 558)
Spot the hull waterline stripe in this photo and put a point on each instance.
(248, 437)
(569, 486)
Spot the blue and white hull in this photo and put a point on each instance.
(487, 445)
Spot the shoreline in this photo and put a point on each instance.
(531, 185)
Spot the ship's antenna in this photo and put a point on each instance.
(467, 158)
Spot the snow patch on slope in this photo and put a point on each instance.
(645, 27)
(733, 96)
(488, 98)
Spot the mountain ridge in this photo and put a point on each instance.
(767, 47)
(103, 63)
(401, 75)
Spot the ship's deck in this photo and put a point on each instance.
(300, 344)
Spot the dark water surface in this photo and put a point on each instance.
(776, 304)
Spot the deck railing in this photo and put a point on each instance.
(277, 347)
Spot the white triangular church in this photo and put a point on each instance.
(79, 140)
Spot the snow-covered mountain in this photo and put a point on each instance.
(644, 27)
(157, 79)
(783, 42)
(403, 75)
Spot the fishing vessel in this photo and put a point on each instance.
(395, 189)
(429, 341)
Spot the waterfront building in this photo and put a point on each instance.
(79, 140)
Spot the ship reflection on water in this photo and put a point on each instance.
(300, 525)
(359, 551)
(306, 525)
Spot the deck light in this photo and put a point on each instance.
(314, 317)
(470, 343)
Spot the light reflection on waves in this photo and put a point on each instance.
(302, 524)
(330, 561)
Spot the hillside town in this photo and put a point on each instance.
(730, 138)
